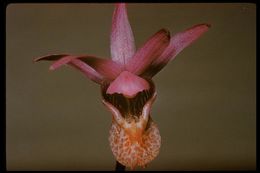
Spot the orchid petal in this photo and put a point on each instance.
(87, 70)
(152, 49)
(96, 69)
(105, 67)
(177, 44)
(62, 61)
(122, 39)
(128, 84)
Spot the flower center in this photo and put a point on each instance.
(127, 84)
(130, 108)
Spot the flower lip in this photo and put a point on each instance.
(128, 85)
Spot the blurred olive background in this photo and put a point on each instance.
(206, 104)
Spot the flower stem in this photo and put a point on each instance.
(119, 167)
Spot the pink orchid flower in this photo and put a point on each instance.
(126, 84)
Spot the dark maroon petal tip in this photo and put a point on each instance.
(51, 57)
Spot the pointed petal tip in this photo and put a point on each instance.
(202, 24)
(51, 57)
(36, 59)
(120, 4)
(208, 25)
(166, 31)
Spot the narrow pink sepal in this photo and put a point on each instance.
(121, 39)
(88, 71)
(95, 68)
(177, 44)
(151, 50)
(106, 67)
(61, 61)
(127, 84)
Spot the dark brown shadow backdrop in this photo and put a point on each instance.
(206, 104)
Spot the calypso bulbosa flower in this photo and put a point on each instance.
(127, 88)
